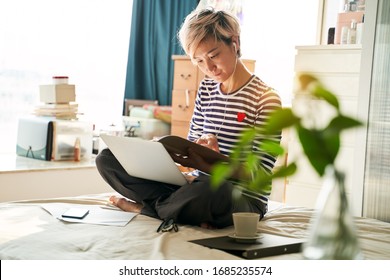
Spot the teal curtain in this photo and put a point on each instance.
(153, 41)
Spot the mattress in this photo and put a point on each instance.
(29, 232)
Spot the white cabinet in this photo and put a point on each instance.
(337, 67)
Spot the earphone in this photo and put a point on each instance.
(235, 47)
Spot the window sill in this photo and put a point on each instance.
(28, 179)
(11, 163)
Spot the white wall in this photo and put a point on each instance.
(270, 31)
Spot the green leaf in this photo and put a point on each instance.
(263, 187)
(340, 123)
(319, 150)
(331, 134)
(272, 147)
(321, 92)
(247, 136)
(331, 145)
(285, 171)
(261, 181)
(280, 119)
(251, 162)
(244, 144)
(220, 173)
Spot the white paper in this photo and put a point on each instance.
(97, 215)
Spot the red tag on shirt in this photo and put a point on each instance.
(240, 116)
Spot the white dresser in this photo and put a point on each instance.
(337, 67)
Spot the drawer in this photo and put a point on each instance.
(188, 76)
(341, 84)
(342, 61)
(201, 76)
(185, 75)
(250, 64)
(180, 128)
(183, 104)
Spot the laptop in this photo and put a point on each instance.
(267, 245)
(145, 159)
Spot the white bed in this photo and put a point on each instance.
(29, 232)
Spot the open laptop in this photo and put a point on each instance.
(145, 159)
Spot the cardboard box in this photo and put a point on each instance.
(62, 93)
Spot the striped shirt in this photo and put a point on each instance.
(227, 116)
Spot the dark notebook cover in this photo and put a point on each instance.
(179, 145)
(267, 245)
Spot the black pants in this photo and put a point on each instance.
(191, 204)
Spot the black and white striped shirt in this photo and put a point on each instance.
(228, 115)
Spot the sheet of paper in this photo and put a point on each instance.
(97, 215)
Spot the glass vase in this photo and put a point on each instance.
(332, 235)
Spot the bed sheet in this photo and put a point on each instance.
(28, 232)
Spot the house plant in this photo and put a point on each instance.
(332, 234)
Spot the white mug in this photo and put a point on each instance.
(245, 223)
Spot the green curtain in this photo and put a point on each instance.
(153, 41)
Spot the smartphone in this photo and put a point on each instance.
(75, 213)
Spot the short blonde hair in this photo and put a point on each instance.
(203, 24)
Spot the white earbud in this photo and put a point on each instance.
(235, 47)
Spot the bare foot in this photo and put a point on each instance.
(126, 205)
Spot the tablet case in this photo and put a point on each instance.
(34, 138)
(267, 245)
(48, 138)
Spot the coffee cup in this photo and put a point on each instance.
(245, 223)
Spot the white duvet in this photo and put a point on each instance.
(27, 231)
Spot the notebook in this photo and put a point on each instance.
(145, 159)
(267, 245)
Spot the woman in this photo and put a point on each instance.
(229, 100)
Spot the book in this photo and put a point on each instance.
(58, 115)
(178, 145)
(68, 105)
(58, 110)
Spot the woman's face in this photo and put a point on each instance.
(215, 59)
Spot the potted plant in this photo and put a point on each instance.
(332, 233)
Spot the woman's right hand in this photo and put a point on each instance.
(209, 141)
(192, 160)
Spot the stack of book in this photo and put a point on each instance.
(57, 100)
(66, 111)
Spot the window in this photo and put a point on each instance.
(85, 40)
(88, 41)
